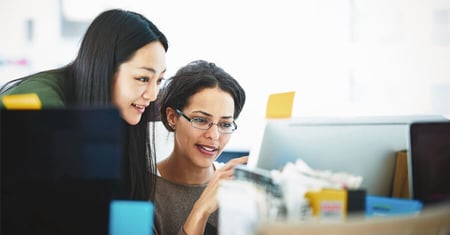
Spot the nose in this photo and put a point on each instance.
(151, 92)
(213, 132)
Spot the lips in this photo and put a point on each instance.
(207, 148)
(139, 107)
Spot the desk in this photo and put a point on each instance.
(432, 220)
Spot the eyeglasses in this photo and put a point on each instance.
(205, 124)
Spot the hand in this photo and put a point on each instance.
(208, 199)
(207, 202)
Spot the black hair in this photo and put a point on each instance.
(112, 39)
(193, 78)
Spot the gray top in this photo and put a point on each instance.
(173, 203)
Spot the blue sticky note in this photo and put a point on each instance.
(131, 217)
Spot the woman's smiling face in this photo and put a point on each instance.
(202, 147)
(137, 81)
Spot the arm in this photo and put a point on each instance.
(207, 203)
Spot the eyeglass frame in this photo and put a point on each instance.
(210, 124)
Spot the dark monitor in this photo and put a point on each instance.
(60, 168)
(430, 161)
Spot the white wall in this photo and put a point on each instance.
(342, 57)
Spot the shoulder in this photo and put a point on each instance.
(48, 81)
(47, 85)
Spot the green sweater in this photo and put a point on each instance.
(48, 86)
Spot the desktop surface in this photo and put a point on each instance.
(433, 220)
(60, 168)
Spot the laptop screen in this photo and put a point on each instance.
(60, 168)
(430, 161)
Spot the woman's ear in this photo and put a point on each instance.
(172, 117)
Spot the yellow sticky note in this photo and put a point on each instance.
(22, 101)
(280, 105)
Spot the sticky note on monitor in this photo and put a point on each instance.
(279, 105)
(22, 101)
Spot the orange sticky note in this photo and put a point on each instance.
(280, 105)
(22, 101)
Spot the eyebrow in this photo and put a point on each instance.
(151, 70)
(210, 115)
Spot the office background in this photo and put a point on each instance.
(341, 57)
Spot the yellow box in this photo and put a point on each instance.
(337, 203)
(328, 203)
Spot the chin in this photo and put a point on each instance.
(132, 121)
(209, 162)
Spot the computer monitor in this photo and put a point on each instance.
(430, 161)
(60, 168)
(363, 146)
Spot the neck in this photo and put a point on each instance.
(183, 172)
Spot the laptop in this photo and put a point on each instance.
(60, 169)
(430, 161)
